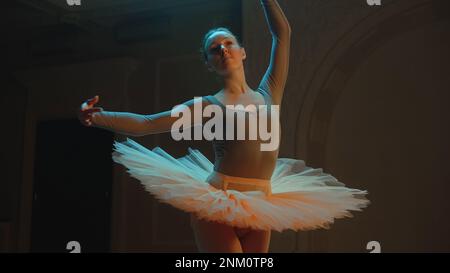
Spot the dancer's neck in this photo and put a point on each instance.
(235, 84)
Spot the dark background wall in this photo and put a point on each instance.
(365, 100)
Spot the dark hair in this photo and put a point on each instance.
(203, 50)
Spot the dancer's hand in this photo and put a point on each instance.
(87, 109)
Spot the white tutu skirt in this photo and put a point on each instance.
(302, 198)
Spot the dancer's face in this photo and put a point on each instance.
(223, 52)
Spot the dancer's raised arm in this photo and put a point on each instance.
(129, 123)
(274, 80)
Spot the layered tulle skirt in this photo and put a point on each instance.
(299, 197)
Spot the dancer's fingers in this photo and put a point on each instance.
(97, 109)
(89, 103)
(93, 101)
(86, 121)
(92, 110)
(84, 106)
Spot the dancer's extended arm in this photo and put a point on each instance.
(275, 77)
(130, 123)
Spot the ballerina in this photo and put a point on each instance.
(247, 192)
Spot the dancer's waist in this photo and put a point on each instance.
(229, 182)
